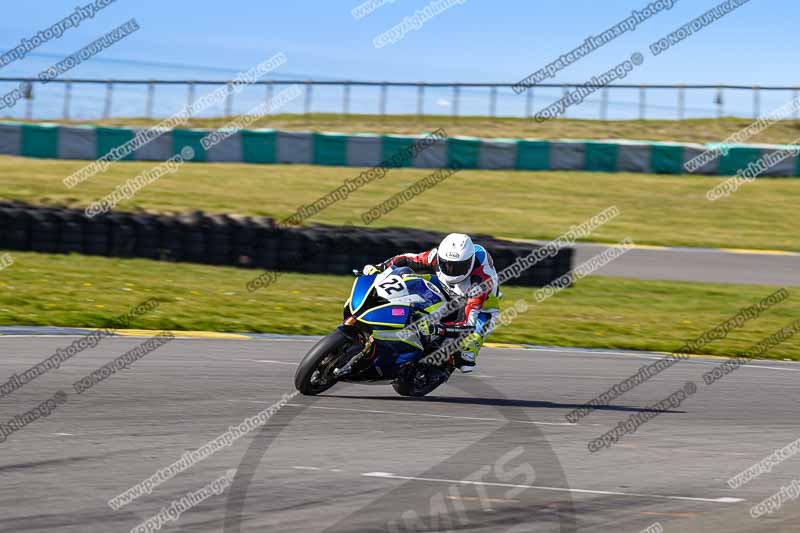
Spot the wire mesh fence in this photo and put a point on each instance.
(93, 99)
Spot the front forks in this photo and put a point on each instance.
(354, 354)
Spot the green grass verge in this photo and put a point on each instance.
(656, 209)
(694, 130)
(59, 290)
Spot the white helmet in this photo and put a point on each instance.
(456, 256)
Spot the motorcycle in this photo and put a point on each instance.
(375, 345)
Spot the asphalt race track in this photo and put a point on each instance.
(488, 452)
(707, 265)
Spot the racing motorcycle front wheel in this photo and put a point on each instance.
(315, 373)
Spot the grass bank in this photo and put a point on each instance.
(60, 290)
(656, 209)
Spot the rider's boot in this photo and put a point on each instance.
(470, 347)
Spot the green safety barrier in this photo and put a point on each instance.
(338, 149)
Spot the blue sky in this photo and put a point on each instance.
(478, 40)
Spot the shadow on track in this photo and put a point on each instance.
(502, 402)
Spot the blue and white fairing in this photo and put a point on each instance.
(408, 296)
(361, 288)
(399, 290)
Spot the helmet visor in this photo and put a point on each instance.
(455, 268)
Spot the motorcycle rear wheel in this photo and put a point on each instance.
(406, 385)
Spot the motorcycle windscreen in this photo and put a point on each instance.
(389, 315)
(361, 287)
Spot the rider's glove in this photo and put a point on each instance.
(438, 330)
(369, 270)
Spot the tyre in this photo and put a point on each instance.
(122, 233)
(72, 232)
(194, 242)
(96, 236)
(406, 385)
(243, 241)
(16, 229)
(219, 242)
(45, 231)
(402, 388)
(148, 240)
(172, 242)
(315, 373)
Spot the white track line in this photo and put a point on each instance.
(714, 361)
(387, 475)
(429, 415)
(720, 361)
(759, 366)
(564, 349)
(655, 357)
(552, 350)
(69, 336)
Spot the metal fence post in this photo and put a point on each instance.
(456, 98)
(190, 95)
(720, 102)
(307, 105)
(564, 93)
(493, 101)
(270, 91)
(346, 99)
(420, 100)
(67, 98)
(604, 104)
(795, 94)
(109, 95)
(529, 102)
(642, 102)
(151, 94)
(382, 103)
(229, 100)
(29, 101)
(756, 101)
(681, 102)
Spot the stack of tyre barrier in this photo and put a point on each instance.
(252, 242)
